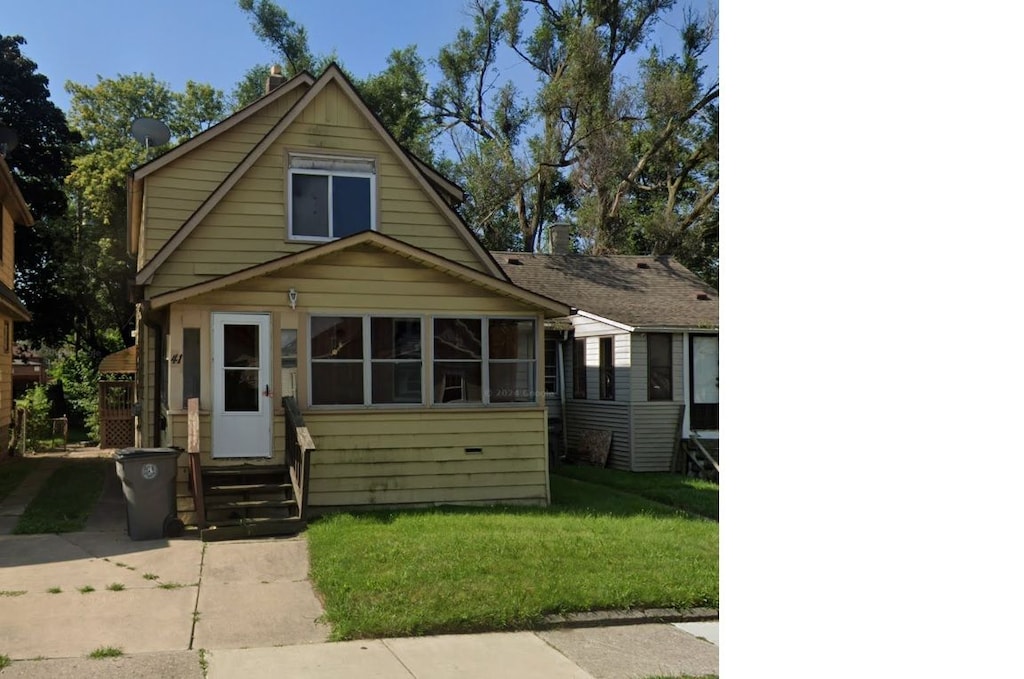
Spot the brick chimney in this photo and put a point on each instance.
(275, 80)
(559, 238)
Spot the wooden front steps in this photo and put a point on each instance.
(249, 501)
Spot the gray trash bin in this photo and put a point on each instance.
(148, 478)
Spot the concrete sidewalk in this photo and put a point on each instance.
(182, 608)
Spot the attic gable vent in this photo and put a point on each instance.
(515, 261)
(643, 265)
(703, 296)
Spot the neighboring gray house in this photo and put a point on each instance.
(641, 343)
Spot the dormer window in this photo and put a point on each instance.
(331, 197)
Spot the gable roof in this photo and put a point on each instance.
(138, 174)
(382, 242)
(332, 74)
(634, 292)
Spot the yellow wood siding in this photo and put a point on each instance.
(173, 193)
(6, 382)
(363, 279)
(396, 458)
(7, 253)
(249, 226)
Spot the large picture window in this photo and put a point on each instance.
(659, 367)
(336, 360)
(341, 369)
(468, 350)
(330, 197)
(397, 362)
(512, 360)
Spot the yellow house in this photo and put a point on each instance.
(345, 334)
(15, 211)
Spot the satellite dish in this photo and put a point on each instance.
(8, 140)
(150, 132)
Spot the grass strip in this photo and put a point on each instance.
(450, 570)
(64, 502)
(691, 495)
(13, 472)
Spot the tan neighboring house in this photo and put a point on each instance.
(15, 211)
(639, 353)
(295, 255)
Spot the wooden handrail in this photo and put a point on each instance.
(298, 448)
(195, 468)
(695, 439)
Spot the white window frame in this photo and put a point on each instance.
(485, 362)
(330, 166)
(367, 360)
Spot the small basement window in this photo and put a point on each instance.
(330, 197)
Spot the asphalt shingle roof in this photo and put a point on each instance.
(639, 291)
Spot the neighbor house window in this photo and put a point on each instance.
(659, 367)
(336, 360)
(606, 369)
(330, 197)
(551, 363)
(579, 368)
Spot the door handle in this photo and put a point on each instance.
(266, 391)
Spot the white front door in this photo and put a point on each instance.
(242, 403)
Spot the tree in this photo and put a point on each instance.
(40, 163)
(288, 40)
(42, 158)
(395, 95)
(576, 148)
(93, 251)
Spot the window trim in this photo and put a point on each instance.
(293, 169)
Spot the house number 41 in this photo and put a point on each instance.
(176, 358)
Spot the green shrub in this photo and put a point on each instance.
(36, 405)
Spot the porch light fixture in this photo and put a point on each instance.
(293, 297)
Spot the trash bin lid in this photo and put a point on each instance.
(139, 453)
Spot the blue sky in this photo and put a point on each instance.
(211, 40)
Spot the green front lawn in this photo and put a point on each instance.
(476, 569)
(692, 495)
(12, 472)
(64, 502)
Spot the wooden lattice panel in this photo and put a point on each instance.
(117, 433)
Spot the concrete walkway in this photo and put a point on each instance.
(182, 608)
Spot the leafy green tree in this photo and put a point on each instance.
(583, 145)
(97, 267)
(396, 95)
(41, 161)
